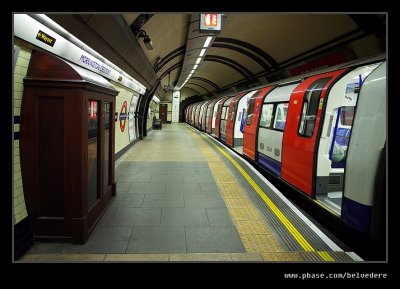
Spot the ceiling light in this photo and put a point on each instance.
(198, 60)
(192, 71)
(156, 99)
(202, 52)
(194, 67)
(208, 40)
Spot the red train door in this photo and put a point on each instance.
(201, 118)
(230, 122)
(197, 115)
(218, 118)
(204, 115)
(210, 116)
(251, 122)
(301, 136)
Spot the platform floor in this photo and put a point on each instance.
(179, 198)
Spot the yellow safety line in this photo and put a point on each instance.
(289, 226)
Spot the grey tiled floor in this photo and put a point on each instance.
(160, 207)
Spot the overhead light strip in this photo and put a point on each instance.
(198, 60)
(208, 40)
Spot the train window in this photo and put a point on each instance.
(266, 115)
(310, 107)
(250, 109)
(280, 116)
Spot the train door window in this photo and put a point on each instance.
(280, 117)
(310, 107)
(250, 109)
(233, 110)
(266, 115)
(239, 115)
(223, 113)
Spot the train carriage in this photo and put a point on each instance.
(271, 127)
(215, 115)
(201, 110)
(224, 119)
(231, 117)
(218, 117)
(204, 115)
(209, 115)
(323, 133)
(251, 122)
(197, 115)
(239, 122)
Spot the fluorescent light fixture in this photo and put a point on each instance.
(194, 67)
(190, 75)
(156, 99)
(198, 60)
(208, 40)
(202, 52)
(192, 71)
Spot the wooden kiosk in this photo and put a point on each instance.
(67, 148)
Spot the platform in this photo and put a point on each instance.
(182, 196)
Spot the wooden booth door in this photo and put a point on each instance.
(163, 113)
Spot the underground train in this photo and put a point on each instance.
(323, 133)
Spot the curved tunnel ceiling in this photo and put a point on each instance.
(247, 46)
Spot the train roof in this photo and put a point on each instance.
(298, 78)
(301, 77)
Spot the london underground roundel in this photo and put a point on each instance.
(123, 116)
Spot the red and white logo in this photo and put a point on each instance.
(122, 116)
(210, 19)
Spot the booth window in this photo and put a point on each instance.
(93, 134)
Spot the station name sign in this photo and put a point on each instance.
(32, 31)
(86, 60)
